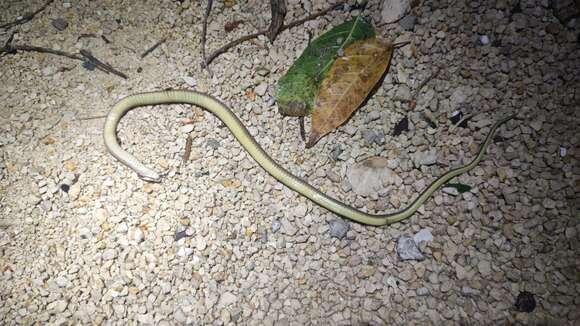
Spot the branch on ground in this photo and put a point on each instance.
(89, 61)
(26, 17)
(270, 31)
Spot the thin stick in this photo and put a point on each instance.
(83, 55)
(91, 118)
(302, 130)
(226, 47)
(424, 82)
(187, 152)
(101, 65)
(27, 48)
(151, 49)
(27, 17)
(47, 131)
(203, 35)
(313, 16)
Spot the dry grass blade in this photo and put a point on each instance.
(346, 85)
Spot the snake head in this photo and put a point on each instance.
(150, 176)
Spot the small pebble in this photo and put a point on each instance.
(60, 24)
(213, 143)
(276, 225)
(261, 89)
(407, 249)
(186, 129)
(484, 39)
(563, 151)
(338, 228)
(190, 81)
(408, 22)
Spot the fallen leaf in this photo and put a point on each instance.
(347, 84)
(297, 89)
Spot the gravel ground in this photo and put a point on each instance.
(219, 241)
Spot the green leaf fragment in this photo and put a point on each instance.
(297, 89)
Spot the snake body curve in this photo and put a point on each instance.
(240, 132)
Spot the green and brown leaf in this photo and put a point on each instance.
(347, 84)
(298, 87)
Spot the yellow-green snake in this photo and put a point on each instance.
(240, 132)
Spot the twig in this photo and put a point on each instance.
(54, 124)
(313, 16)
(278, 10)
(101, 65)
(401, 44)
(203, 36)
(11, 49)
(151, 49)
(47, 131)
(92, 35)
(187, 152)
(83, 55)
(424, 82)
(226, 47)
(91, 118)
(302, 130)
(27, 17)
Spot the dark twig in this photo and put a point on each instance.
(232, 44)
(92, 35)
(8, 41)
(226, 47)
(425, 82)
(401, 44)
(302, 129)
(278, 10)
(203, 35)
(313, 16)
(101, 65)
(83, 55)
(91, 118)
(10, 49)
(187, 152)
(151, 49)
(27, 17)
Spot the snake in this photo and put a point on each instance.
(249, 143)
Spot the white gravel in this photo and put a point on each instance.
(219, 241)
